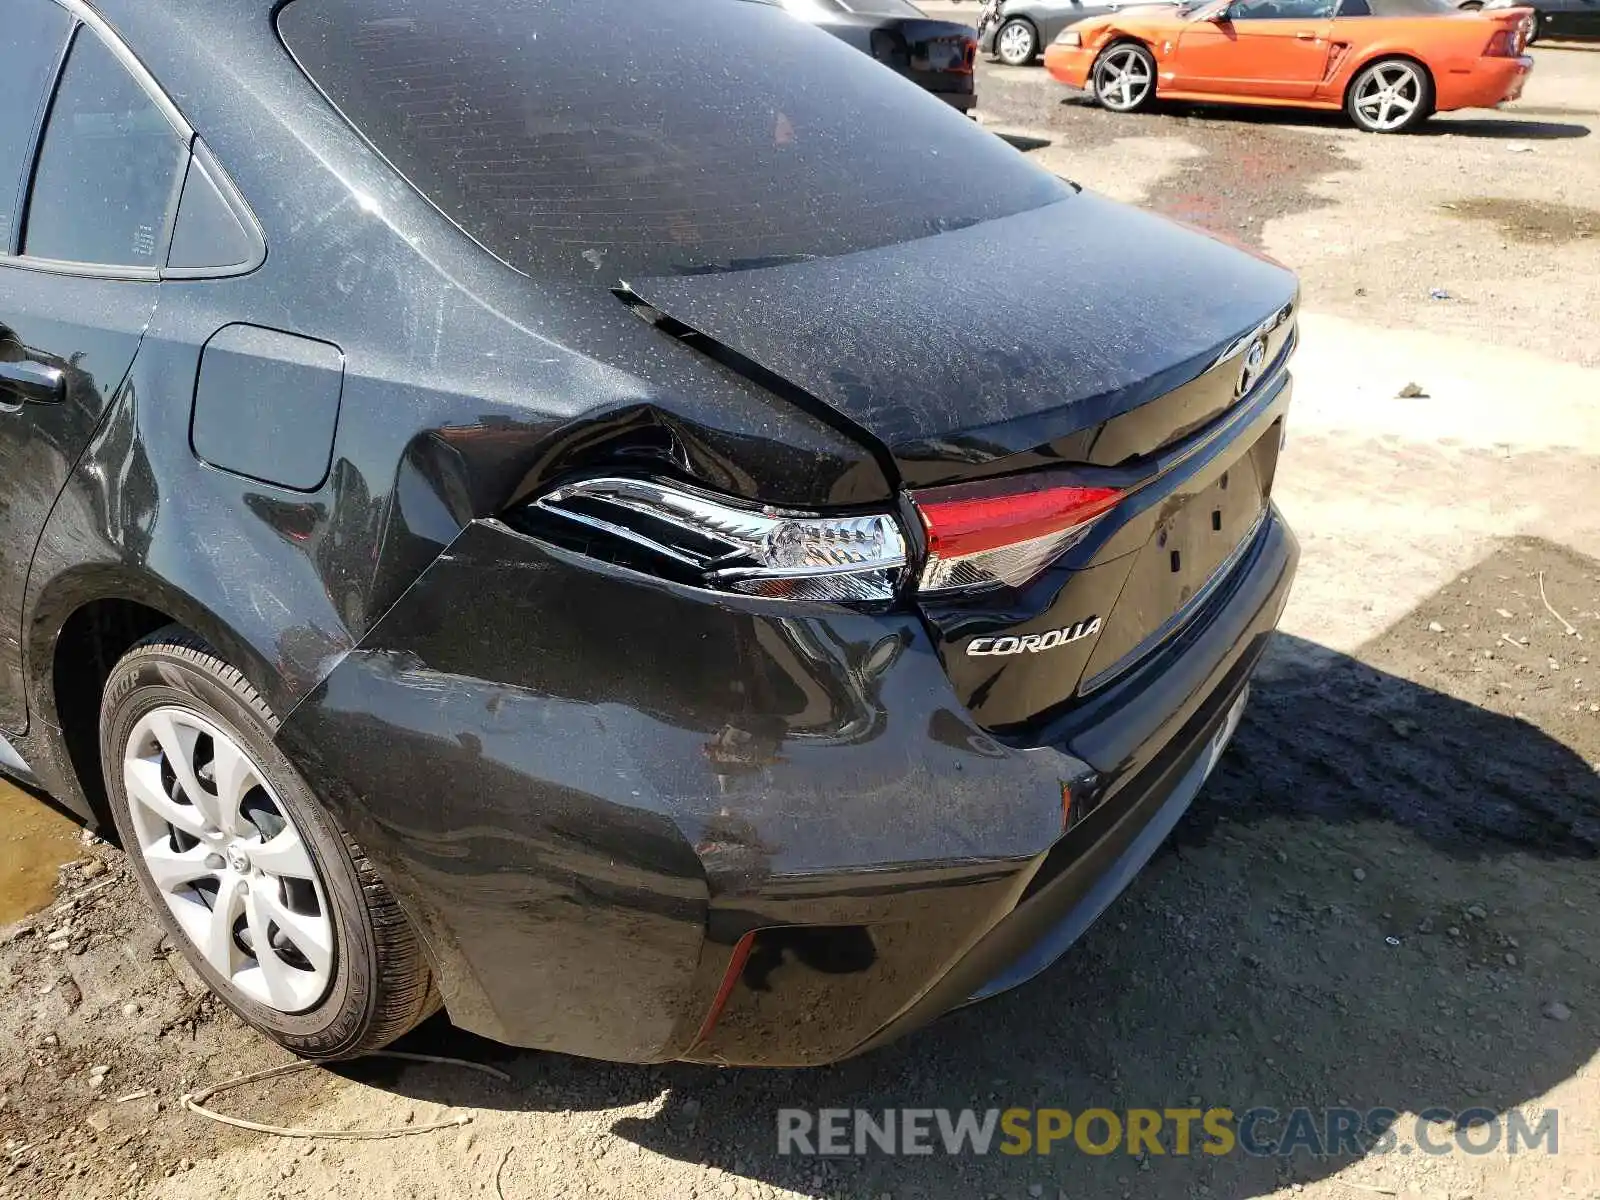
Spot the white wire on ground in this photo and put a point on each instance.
(195, 1101)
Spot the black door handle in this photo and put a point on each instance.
(33, 381)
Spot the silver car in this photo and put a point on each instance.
(1025, 27)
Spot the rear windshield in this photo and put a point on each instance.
(609, 139)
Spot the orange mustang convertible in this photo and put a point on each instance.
(1387, 63)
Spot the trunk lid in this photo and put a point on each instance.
(1010, 344)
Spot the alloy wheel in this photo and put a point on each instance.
(228, 861)
(1388, 96)
(1122, 78)
(1015, 44)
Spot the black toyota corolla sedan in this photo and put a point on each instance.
(622, 519)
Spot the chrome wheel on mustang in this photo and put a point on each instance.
(1124, 77)
(1390, 96)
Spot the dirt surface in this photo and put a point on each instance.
(36, 840)
(1387, 895)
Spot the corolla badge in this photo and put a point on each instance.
(1255, 361)
(1033, 643)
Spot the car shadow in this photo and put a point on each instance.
(1024, 142)
(1375, 902)
(1507, 125)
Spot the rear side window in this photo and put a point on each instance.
(1281, 10)
(624, 138)
(110, 166)
(213, 231)
(1354, 8)
(35, 34)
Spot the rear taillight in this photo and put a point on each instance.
(725, 544)
(1505, 43)
(994, 538)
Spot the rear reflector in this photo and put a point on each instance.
(1004, 539)
(730, 978)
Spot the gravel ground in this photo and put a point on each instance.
(1386, 896)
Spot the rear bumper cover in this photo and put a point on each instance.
(961, 101)
(1488, 82)
(588, 788)
(956, 88)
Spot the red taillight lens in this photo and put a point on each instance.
(1506, 43)
(1005, 538)
(959, 527)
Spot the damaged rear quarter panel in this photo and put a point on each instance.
(562, 767)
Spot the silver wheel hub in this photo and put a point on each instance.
(1388, 95)
(1015, 43)
(1122, 78)
(228, 860)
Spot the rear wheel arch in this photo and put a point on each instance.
(74, 656)
(1377, 56)
(89, 645)
(1128, 39)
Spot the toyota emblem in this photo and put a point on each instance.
(1255, 359)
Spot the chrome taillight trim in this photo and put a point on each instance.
(856, 556)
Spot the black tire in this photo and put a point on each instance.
(1023, 52)
(381, 985)
(1471, 6)
(1109, 91)
(1419, 92)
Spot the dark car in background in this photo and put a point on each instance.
(936, 55)
(618, 518)
(1570, 20)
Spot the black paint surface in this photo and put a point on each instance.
(586, 784)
